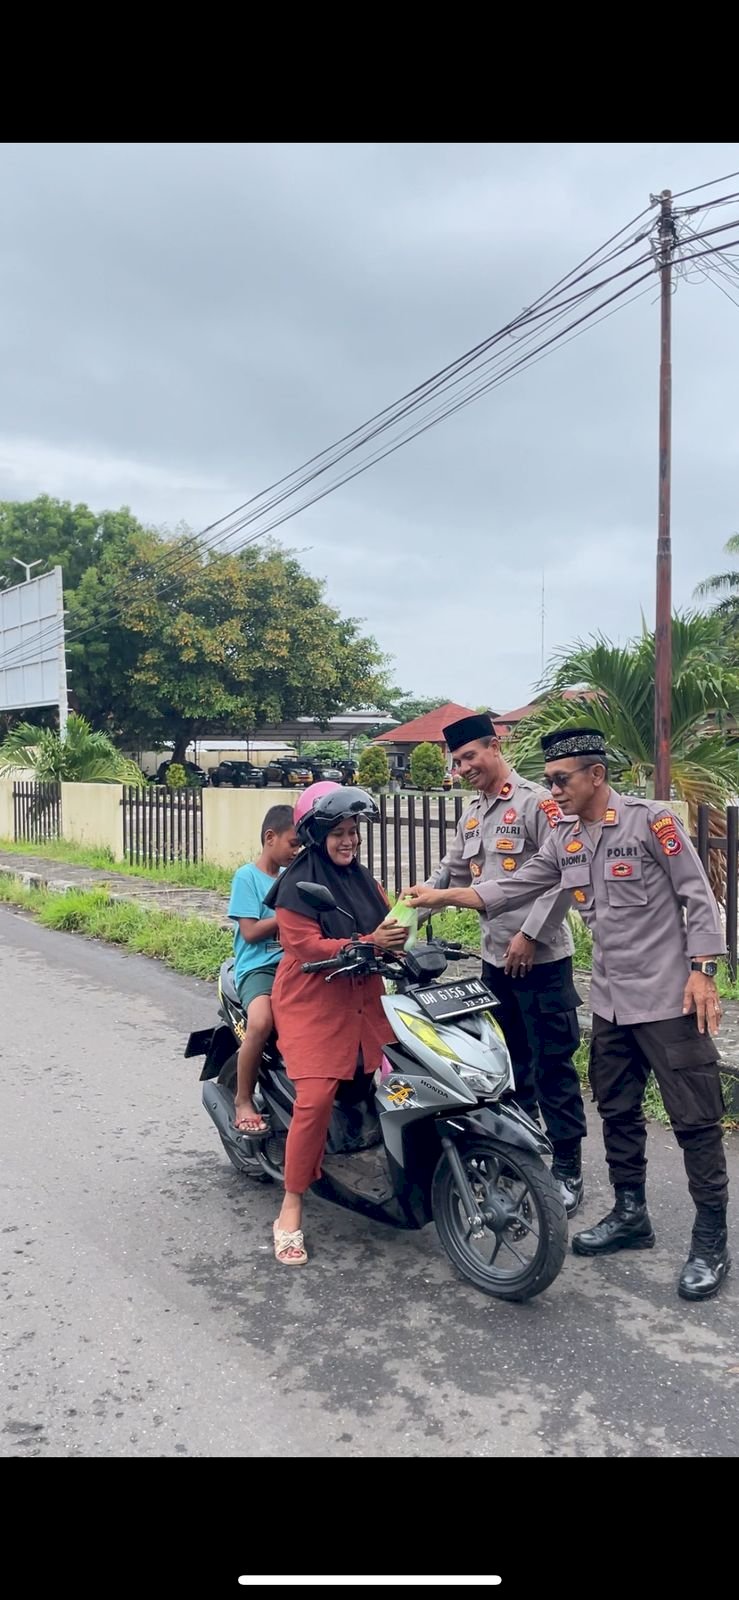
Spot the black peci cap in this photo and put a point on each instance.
(573, 742)
(468, 728)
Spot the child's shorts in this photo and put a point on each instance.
(259, 981)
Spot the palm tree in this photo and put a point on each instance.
(82, 756)
(616, 687)
(725, 584)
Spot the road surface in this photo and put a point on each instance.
(144, 1314)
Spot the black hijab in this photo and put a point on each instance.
(353, 888)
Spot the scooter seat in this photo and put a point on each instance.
(228, 987)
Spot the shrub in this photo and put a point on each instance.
(427, 766)
(176, 776)
(373, 772)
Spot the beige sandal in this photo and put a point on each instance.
(290, 1248)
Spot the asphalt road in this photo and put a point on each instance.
(144, 1314)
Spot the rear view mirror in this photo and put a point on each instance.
(317, 896)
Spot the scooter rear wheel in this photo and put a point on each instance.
(242, 1155)
(522, 1247)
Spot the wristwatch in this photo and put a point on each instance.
(710, 968)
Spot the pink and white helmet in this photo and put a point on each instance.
(310, 795)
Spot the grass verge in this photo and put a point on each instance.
(201, 876)
(190, 945)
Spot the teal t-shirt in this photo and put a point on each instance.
(248, 890)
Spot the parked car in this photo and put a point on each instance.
(195, 774)
(240, 774)
(288, 773)
(332, 771)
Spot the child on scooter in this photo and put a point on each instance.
(256, 955)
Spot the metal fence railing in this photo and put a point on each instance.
(37, 812)
(162, 825)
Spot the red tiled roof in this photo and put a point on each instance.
(526, 711)
(428, 727)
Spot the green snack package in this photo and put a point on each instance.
(407, 916)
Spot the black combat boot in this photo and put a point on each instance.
(709, 1260)
(627, 1227)
(567, 1171)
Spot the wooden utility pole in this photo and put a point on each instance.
(663, 627)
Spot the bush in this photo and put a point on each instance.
(373, 772)
(427, 766)
(176, 776)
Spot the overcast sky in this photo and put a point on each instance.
(180, 325)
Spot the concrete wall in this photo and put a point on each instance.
(6, 808)
(92, 816)
(232, 821)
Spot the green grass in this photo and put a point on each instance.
(190, 945)
(201, 876)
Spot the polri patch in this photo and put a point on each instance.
(510, 817)
(551, 811)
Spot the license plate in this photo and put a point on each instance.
(444, 1000)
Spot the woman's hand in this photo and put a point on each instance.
(390, 936)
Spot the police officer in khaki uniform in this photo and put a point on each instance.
(502, 827)
(631, 870)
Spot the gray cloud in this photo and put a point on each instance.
(182, 324)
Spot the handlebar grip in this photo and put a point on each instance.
(319, 966)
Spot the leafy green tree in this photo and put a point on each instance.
(82, 756)
(614, 690)
(427, 766)
(223, 644)
(373, 772)
(724, 587)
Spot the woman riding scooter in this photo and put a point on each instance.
(326, 1031)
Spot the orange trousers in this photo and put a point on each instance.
(306, 1136)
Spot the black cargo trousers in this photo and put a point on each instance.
(538, 1015)
(686, 1066)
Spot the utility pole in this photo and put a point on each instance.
(543, 617)
(663, 627)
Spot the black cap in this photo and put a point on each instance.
(573, 742)
(468, 728)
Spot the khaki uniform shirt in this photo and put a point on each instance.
(494, 839)
(643, 892)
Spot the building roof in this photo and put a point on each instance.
(510, 718)
(428, 727)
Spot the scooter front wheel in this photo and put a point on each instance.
(520, 1247)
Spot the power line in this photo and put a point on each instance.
(473, 390)
(546, 309)
(710, 185)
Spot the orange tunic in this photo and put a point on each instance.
(321, 1026)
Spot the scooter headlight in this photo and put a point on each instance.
(481, 1082)
(428, 1035)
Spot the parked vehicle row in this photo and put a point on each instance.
(286, 772)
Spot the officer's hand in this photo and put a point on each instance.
(420, 896)
(519, 957)
(701, 996)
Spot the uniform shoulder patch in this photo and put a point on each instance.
(551, 811)
(666, 832)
